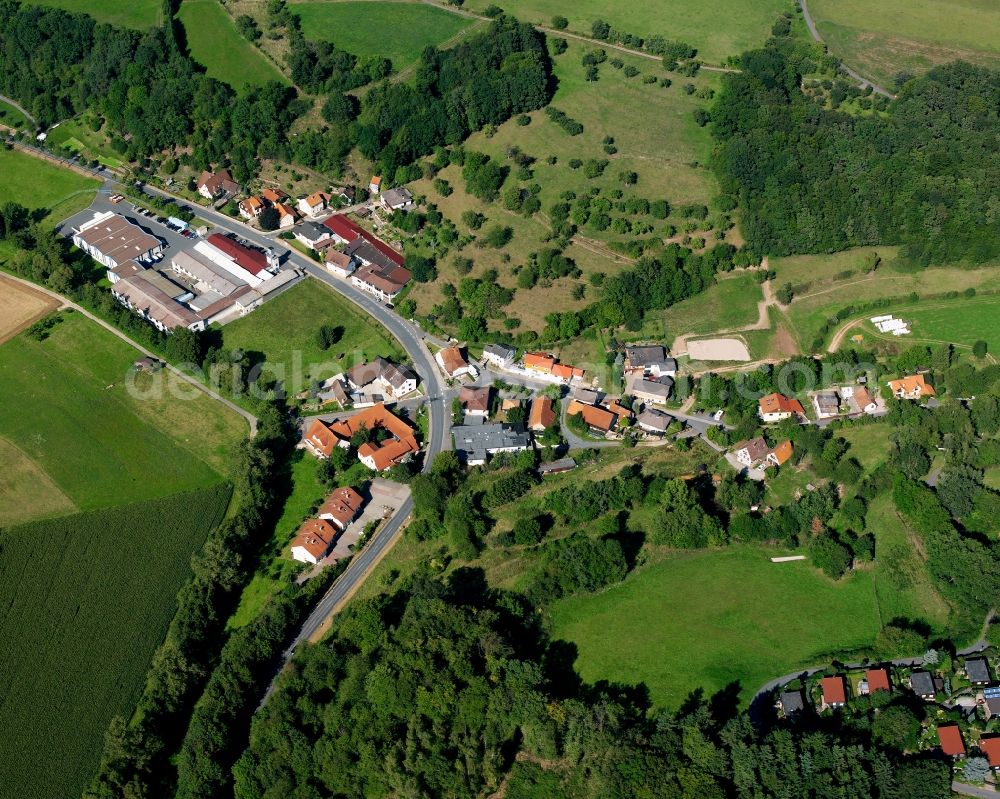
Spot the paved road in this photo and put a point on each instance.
(859, 78)
(974, 790)
(11, 101)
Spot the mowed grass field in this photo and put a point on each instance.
(69, 410)
(84, 602)
(398, 31)
(882, 39)
(36, 183)
(707, 619)
(215, 43)
(12, 117)
(283, 332)
(138, 14)
(718, 28)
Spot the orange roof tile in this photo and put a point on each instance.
(878, 680)
(451, 358)
(315, 536)
(951, 739)
(990, 746)
(597, 418)
(912, 384)
(542, 413)
(540, 361)
(274, 195)
(779, 403)
(321, 438)
(343, 505)
(834, 690)
(782, 452)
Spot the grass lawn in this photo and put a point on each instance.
(75, 419)
(869, 444)
(730, 303)
(283, 331)
(398, 31)
(215, 43)
(13, 118)
(684, 622)
(138, 14)
(84, 602)
(35, 183)
(79, 138)
(881, 39)
(718, 28)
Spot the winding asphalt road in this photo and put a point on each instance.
(858, 77)
(10, 101)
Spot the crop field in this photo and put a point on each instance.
(215, 43)
(35, 183)
(283, 331)
(84, 602)
(398, 31)
(96, 442)
(881, 39)
(21, 306)
(718, 28)
(653, 627)
(138, 14)
(661, 143)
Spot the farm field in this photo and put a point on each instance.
(98, 444)
(882, 39)
(398, 31)
(652, 628)
(662, 145)
(718, 28)
(215, 43)
(85, 601)
(283, 331)
(35, 183)
(138, 14)
(961, 321)
(20, 306)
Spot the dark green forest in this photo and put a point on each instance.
(450, 690)
(926, 174)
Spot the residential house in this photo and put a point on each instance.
(557, 466)
(475, 400)
(386, 377)
(923, 684)
(654, 421)
(649, 360)
(991, 699)
(617, 409)
(313, 236)
(542, 414)
(313, 541)
(398, 445)
(978, 671)
(826, 403)
(251, 207)
(215, 185)
(656, 392)
(751, 452)
(586, 396)
(498, 356)
(911, 387)
(540, 362)
(791, 702)
(273, 196)
(777, 407)
(950, 737)
(396, 199)
(375, 184)
(385, 283)
(111, 239)
(863, 399)
(475, 443)
(286, 216)
(341, 507)
(340, 263)
(989, 745)
(453, 363)
(597, 419)
(834, 691)
(343, 193)
(779, 455)
(333, 390)
(568, 373)
(876, 680)
(314, 204)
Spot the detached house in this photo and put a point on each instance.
(989, 745)
(950, 737)
(834, 691)
(978, 671)
(499, 356)
(453, 363)
(313, 236)
(313, 541)
(273, 196)
(875, 680)
(991, 696)
(751, 452)
(656, 392)
(649, 360)
(340, 263)
(475, 400)
(780, 454)
(251, 207)
(396, 199)
(215, 185)
(599, 419)
(923, 684)
(912, 387)
(777, 407)
(286, 216)
(654, 421)
(314, 204)
(542, 414)
(385, 376)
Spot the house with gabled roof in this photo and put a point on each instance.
(498, 355)
(314, 204)
(751, 452)
(791, 702)
(923, 684)
(777, 407)
(273, 196)
(989, 745)
(598, 419)
(341, 507)
(453, 363)
(475, 400)
(313, 541)
(396, 199)
(877, 680)
(251, 207)
(978, 671)
(542, 414)
(834, 691)
(286, 215)
(780, 454)
(214, 185)
(950, 738)
(911, 387)
(991, 699)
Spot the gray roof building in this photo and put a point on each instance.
(499, 353)
(586, 396)
(978, 671)
(791, 702)
(992, 697)
(554, 467)
(922, 684)
(475, 443)
(640, 357)
(653, 391)
(654, 421)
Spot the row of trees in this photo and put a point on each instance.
(924, 175)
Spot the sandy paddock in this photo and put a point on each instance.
(718, 349)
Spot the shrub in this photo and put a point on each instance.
(560, 23)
